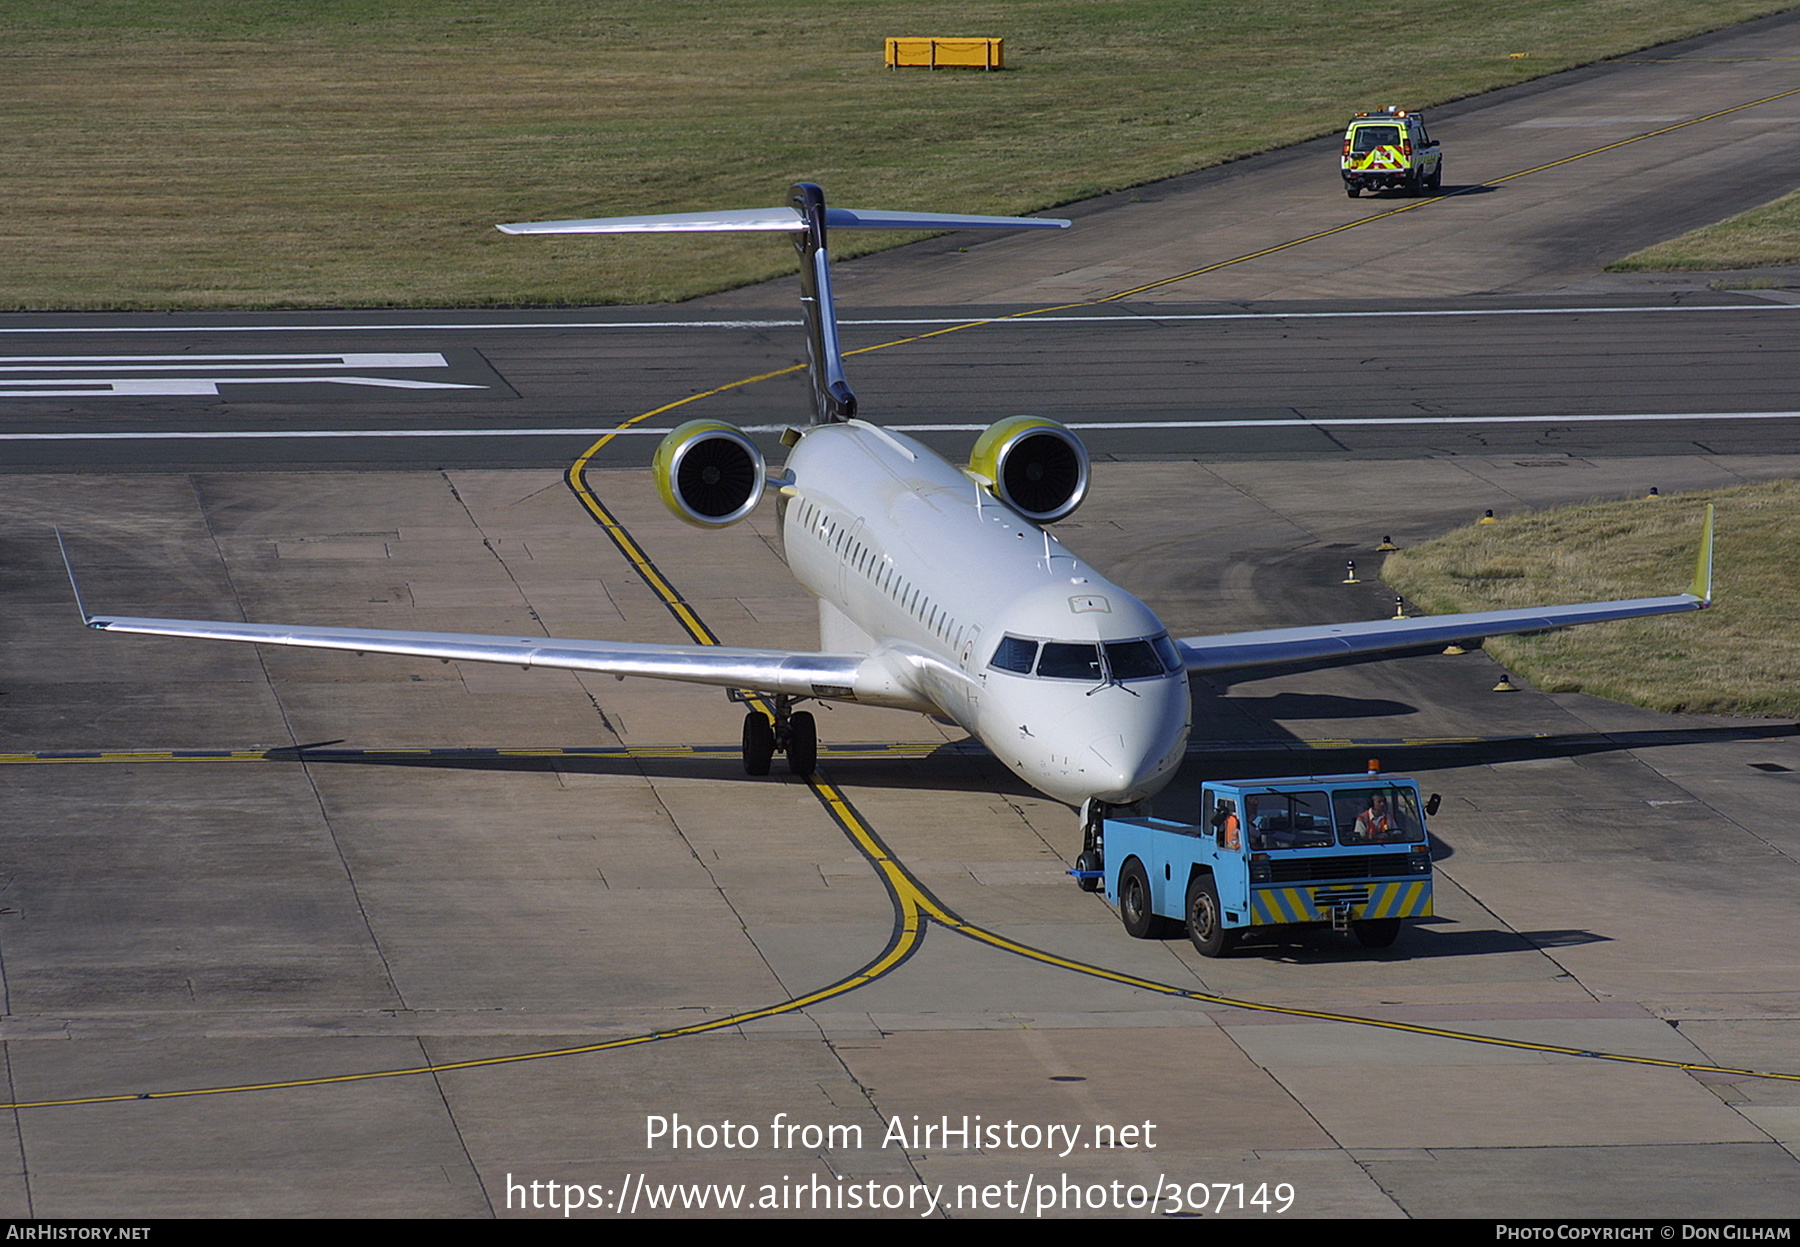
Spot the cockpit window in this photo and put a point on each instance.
(1165, 650)
(1015, 654)
(1065, 660)
(1147, 658)
(1133, 660)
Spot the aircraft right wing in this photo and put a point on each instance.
(1279, 646)
(769, 671)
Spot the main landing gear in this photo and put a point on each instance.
(793, 733)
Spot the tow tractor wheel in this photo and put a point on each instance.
(759, 743)
(1141, 922)
(1205, 921)
(1376, 932)
(803, 744)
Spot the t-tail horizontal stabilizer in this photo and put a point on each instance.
(808, 219)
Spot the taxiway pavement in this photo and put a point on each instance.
(580, 863)
(184, 925)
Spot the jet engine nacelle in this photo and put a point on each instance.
(709, 473)
(1035, 466)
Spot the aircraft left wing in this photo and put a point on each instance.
(1234, 650)
(1279, 646)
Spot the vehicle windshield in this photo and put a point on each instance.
(1288, 820)
(1366, 139)
(1378, 815)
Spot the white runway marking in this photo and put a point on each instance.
(82, 376)
(1122, 318)
(138, 387)
(114, 363)
(1091, 426)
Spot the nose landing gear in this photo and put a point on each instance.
(793, 733)
(1090, 864)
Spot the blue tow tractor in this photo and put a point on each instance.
(1348, 852)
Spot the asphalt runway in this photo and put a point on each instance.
(1441, 377)
(500, 928)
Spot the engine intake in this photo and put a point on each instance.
(709, 474)
(1035, 466)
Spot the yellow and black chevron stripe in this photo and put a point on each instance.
(1275, 906)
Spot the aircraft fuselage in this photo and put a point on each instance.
(917, 565)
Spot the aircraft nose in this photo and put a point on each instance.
(1114, 744)
(1110, 768)
(1131, 766)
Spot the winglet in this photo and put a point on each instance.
(73, 583)
(1703, 565)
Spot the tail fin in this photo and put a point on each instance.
(807, 218)
(833, 399)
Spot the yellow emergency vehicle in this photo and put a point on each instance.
(1389, 149)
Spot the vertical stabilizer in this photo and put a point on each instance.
(833, 399)
(805, 216)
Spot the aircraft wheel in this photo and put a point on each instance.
(1134, 901)
(803, 744)
(1206, 921)
(1376, 932)
(759, 743)
(1089, 860)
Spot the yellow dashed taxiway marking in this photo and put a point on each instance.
(914, 906)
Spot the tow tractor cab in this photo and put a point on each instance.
(1345, 851)
(1389, 150)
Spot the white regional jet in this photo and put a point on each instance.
(940, 588)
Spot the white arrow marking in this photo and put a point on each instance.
(355, 360)
(141, 363)
(73, 374)
(140, 386)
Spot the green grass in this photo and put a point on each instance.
(1760, 238)
(1740, 657)
(190, 154)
